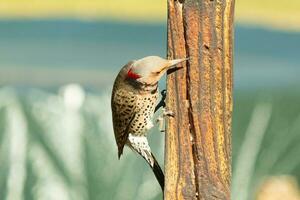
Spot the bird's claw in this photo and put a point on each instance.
(160, 121)
(162, 102)
(161, 118)
(168, 113)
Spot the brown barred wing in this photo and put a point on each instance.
(123, 111)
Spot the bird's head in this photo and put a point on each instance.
(150, 69)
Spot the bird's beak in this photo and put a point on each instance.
(173, 63)
(171, 67)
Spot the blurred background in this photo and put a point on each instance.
(58, 60)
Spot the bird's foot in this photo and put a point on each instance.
(161, 118)
(162, 102)
(168, 113)
(160, 122)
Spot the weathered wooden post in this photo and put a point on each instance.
(198, 138)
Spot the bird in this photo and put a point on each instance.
(134, 97)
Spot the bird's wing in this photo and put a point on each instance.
(124, 109)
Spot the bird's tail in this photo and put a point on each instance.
(140, 145)
(151, 160)
(159, 175)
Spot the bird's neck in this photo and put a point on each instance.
(150, 88)
(144, 88)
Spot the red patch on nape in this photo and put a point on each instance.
(132, 75)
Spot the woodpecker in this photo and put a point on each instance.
(134, 97)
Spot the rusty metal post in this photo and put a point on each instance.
(198, 138)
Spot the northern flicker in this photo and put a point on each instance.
(133, 101)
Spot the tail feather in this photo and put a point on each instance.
(159, 174)
(140, 145)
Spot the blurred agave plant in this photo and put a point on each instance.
(268, 146)
(61, 146)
